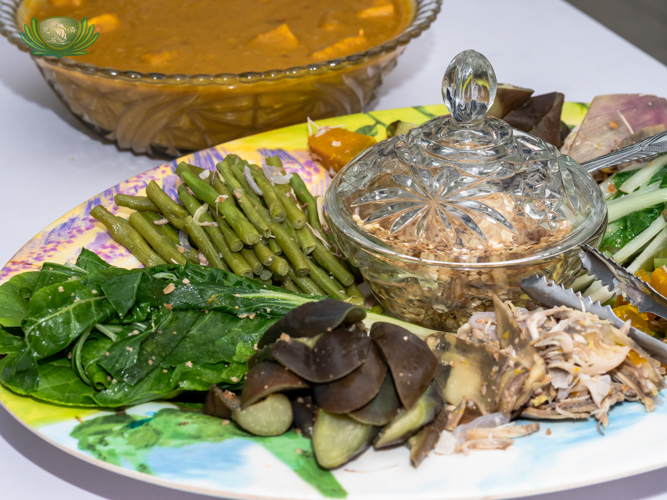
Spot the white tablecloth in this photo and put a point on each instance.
(49, 163)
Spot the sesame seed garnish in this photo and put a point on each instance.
(61, 289)
(189, 364)
(169, 288)
(167, 306)
(186, 281)
(150, 361)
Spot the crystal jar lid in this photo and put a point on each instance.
(466, 187)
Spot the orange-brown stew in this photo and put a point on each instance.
(229, 36)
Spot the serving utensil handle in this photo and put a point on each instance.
(648, 147)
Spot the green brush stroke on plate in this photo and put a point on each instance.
(129, 439)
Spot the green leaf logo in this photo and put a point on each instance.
(59, 36)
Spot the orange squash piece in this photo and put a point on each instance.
(335, 147)
(105, 22)
(381, 8)
(345, 46)
(659, 280)
(281, 38)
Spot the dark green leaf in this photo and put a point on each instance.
(93, 350)
(215, 337)
(59, 313)
(19, 372)
(122, 354)
(160, 343)
(158, 384)
(10, 344)
(214, 289)
(13, 300)
(201, 377)
(59, 383)
(121, 291)
(56, 273)
(91, 261)
(659, 176)
(626, 228)
(138, 312)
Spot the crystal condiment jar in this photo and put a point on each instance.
(461, 208)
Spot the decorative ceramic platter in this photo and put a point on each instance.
(158, 443)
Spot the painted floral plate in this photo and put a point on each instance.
(158, 443)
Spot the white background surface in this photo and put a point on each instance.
(49, 164)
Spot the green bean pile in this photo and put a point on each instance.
(276, 238)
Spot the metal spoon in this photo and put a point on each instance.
(648, 147)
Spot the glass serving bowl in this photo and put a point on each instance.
(177, 114)
(462, 208)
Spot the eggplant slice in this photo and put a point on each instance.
(219, 403)
(408, 422)
(382, 409)
(425, 440)
(411, 362)
(337, 439)
(354, 390)
(334, 355)
(271, 416)
(303, 411)
(313, 318)
(267, 378)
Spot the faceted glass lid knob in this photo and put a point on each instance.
(469, 86)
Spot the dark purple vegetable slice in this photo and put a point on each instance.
(303, 410)
(423, 442)
(271, 416)
(334, 355)
(313, 318)
(382, 409)
(261, 356)
(337, 439)
(408, 422)
(508, 98)
(219, 403)
(540, 116)
(267, 378)
(411, 362)
(356, 389)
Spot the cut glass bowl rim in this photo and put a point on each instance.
(425, 12)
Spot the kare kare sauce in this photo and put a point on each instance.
(229, 36)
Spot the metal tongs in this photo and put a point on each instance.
(637, 292)
(648, 147)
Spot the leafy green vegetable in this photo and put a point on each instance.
(218, 337)
(121, 291)
(19, 372)
(59, 313)
(202, 377)
(93, 350)
(214, 289)
(14, 295)
(90, 261)
(623, 230)
(57, 273)
(171, 330)
(10, 344)
(59, 383)
(158, 384)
